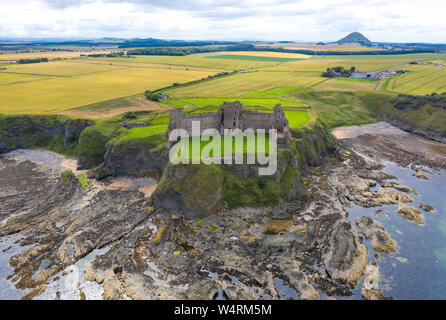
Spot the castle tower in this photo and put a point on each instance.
(231, 115)
(175, 121)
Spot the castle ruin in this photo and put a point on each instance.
(231, 116)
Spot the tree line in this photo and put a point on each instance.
(32, 60)
(183, 51)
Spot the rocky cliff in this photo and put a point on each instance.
(420, 115)
(54, 132)
(135, 157)
(200, 190)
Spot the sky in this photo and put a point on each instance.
(298, 20)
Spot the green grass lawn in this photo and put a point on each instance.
(340, 108)
(143, 132)
(271, 93)
(240, 144)
(296, 118)
(202, 102)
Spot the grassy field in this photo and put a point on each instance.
(338, 108)
(361, 62)
(238, 144)
(347, 84)
(272, 93)
(246, 83)
(202, 102)
(14, 78)
(197, 60)
(271, 54)
(421, 79)
(251, 58)
(324, 47)
(101, 87)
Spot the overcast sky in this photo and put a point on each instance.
(307, 20)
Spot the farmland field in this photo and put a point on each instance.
(201, 102)
(273, 92)
(244, 83)
(347, 84)
(361, 62)
(61, 68)
(11, 78)
(62, 93)
(421, 79)
(197, 60)
(252, 58)
(101, 87)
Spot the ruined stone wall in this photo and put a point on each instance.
(231, 116)
(256, 120)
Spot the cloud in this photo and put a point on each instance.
(309, 20)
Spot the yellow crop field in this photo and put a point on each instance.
(62, 93)
(198, 60)
(421, 79)
(264, 54)
(61, 68)
(324, 47)
(49, 54)
(130, 62)
(243, 83)
(361, 62)
(10, 78)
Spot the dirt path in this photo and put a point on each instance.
(139, 104)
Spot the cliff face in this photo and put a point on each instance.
(135, 157)
(58, 133)
(418, 115)
(201, 190)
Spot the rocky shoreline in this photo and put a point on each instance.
(309, 246)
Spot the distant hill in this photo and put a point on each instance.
(355, 37)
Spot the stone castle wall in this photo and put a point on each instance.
(231, 116)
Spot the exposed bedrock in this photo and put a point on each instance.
(30, 131)
(373, 230)
(169, 257)
(409, 126)
(134, 157)
(63, 221)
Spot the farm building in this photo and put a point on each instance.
(365, 75)
(390, 72)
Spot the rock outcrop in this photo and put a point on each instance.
(410, 213)
(18, 132)
(373, 230)
(370, 288)
(197, 190)
(134, 157)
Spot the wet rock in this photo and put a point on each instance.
(420, 175)
(299, 281)
(383, 196)
(112, 287)
(370, 289)
(399, 187)
(373, 230)
(426, 207)
(410, 213)
(402, 259)
(345, 257)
